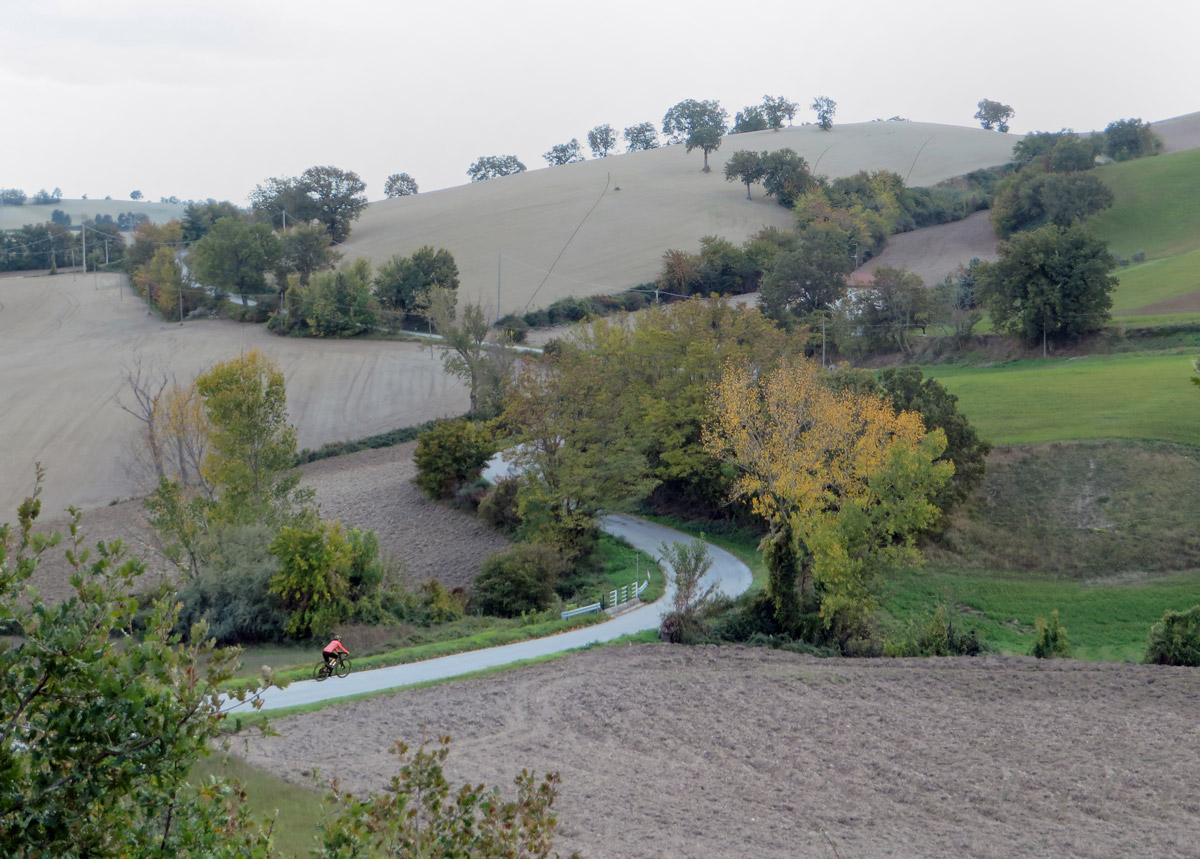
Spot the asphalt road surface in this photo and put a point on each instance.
(728, 573)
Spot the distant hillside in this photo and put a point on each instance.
(14, 217)
(603, 225)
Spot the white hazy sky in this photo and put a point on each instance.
(208, 99)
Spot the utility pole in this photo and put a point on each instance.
(499, 267)
(822, 341)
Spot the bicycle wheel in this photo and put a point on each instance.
(343, 667)
(320, 672)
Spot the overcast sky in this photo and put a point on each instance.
(209, 99)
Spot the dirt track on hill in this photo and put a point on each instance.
(667, 751)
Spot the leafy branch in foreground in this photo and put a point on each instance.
(105, 711)
(419, 815)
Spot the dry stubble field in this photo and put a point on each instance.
(671, 752)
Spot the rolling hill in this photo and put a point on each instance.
(603, 225)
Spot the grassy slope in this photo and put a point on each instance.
(1156, 210)
(1121, 396)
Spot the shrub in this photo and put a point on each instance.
(1050, 639)
(231, 591)
(936, 634)
(688, 563)
(443, 605)
(1175, 640)
(1139, 256)
(498, 508)
(520, 579)
(449, 454)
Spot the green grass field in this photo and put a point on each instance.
(1103, 621)
(1115, 396)
(1156, 207)
(1154, 281)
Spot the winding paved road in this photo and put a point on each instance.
(730, 575)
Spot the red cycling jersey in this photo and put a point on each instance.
(334, 647)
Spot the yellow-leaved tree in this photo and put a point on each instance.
(844, 481)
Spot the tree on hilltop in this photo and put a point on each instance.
(993, 114)
(602, 139)
(494, 166)
(640, 137)
(825, 108)
(749, 118)
(564, 153)
(135, 195)
(400, 185)
(778, 109)
(696, 124)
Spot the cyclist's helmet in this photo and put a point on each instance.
(337, 636)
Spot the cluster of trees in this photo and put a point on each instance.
(1053, 282)
(256, 561)
(696, 124)
(328, 195)
(353, 299)
(622, 411)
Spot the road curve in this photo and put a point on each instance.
(728, 573)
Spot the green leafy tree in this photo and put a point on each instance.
(339, 303)
(1032, 198)
(403, 284)
(1130, 138)
(746, 167)
(12, 197)
(198, 218)
(519, 580)
(323, 572)
(751, 118)
(696, 124)
(993, 114)
(135, 195)
(252, 447)
(786, 176)
(1051, 284)
(889, 308)
(420, 815)
(305, 249)
(825, 108)
(494, 166)
(450, 454)
(602, 139)
(400, 185)
(777, 109)
(327, 194)
(161, 280)
(564, 153)
(1071, 155)
(105, 713)
(235, 257)
(1175, 640)
(471, 350)
(809, 279)
(640, 137)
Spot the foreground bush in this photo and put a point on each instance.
(420, 815)
(1051, 640)
(937, 634)
(520, 579)
(1175, 640)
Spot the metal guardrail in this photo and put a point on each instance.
(587, 608)
(615, 597)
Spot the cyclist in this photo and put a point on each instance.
(332, 649)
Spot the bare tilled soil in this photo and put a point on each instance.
(669, 751)
(370, 489)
